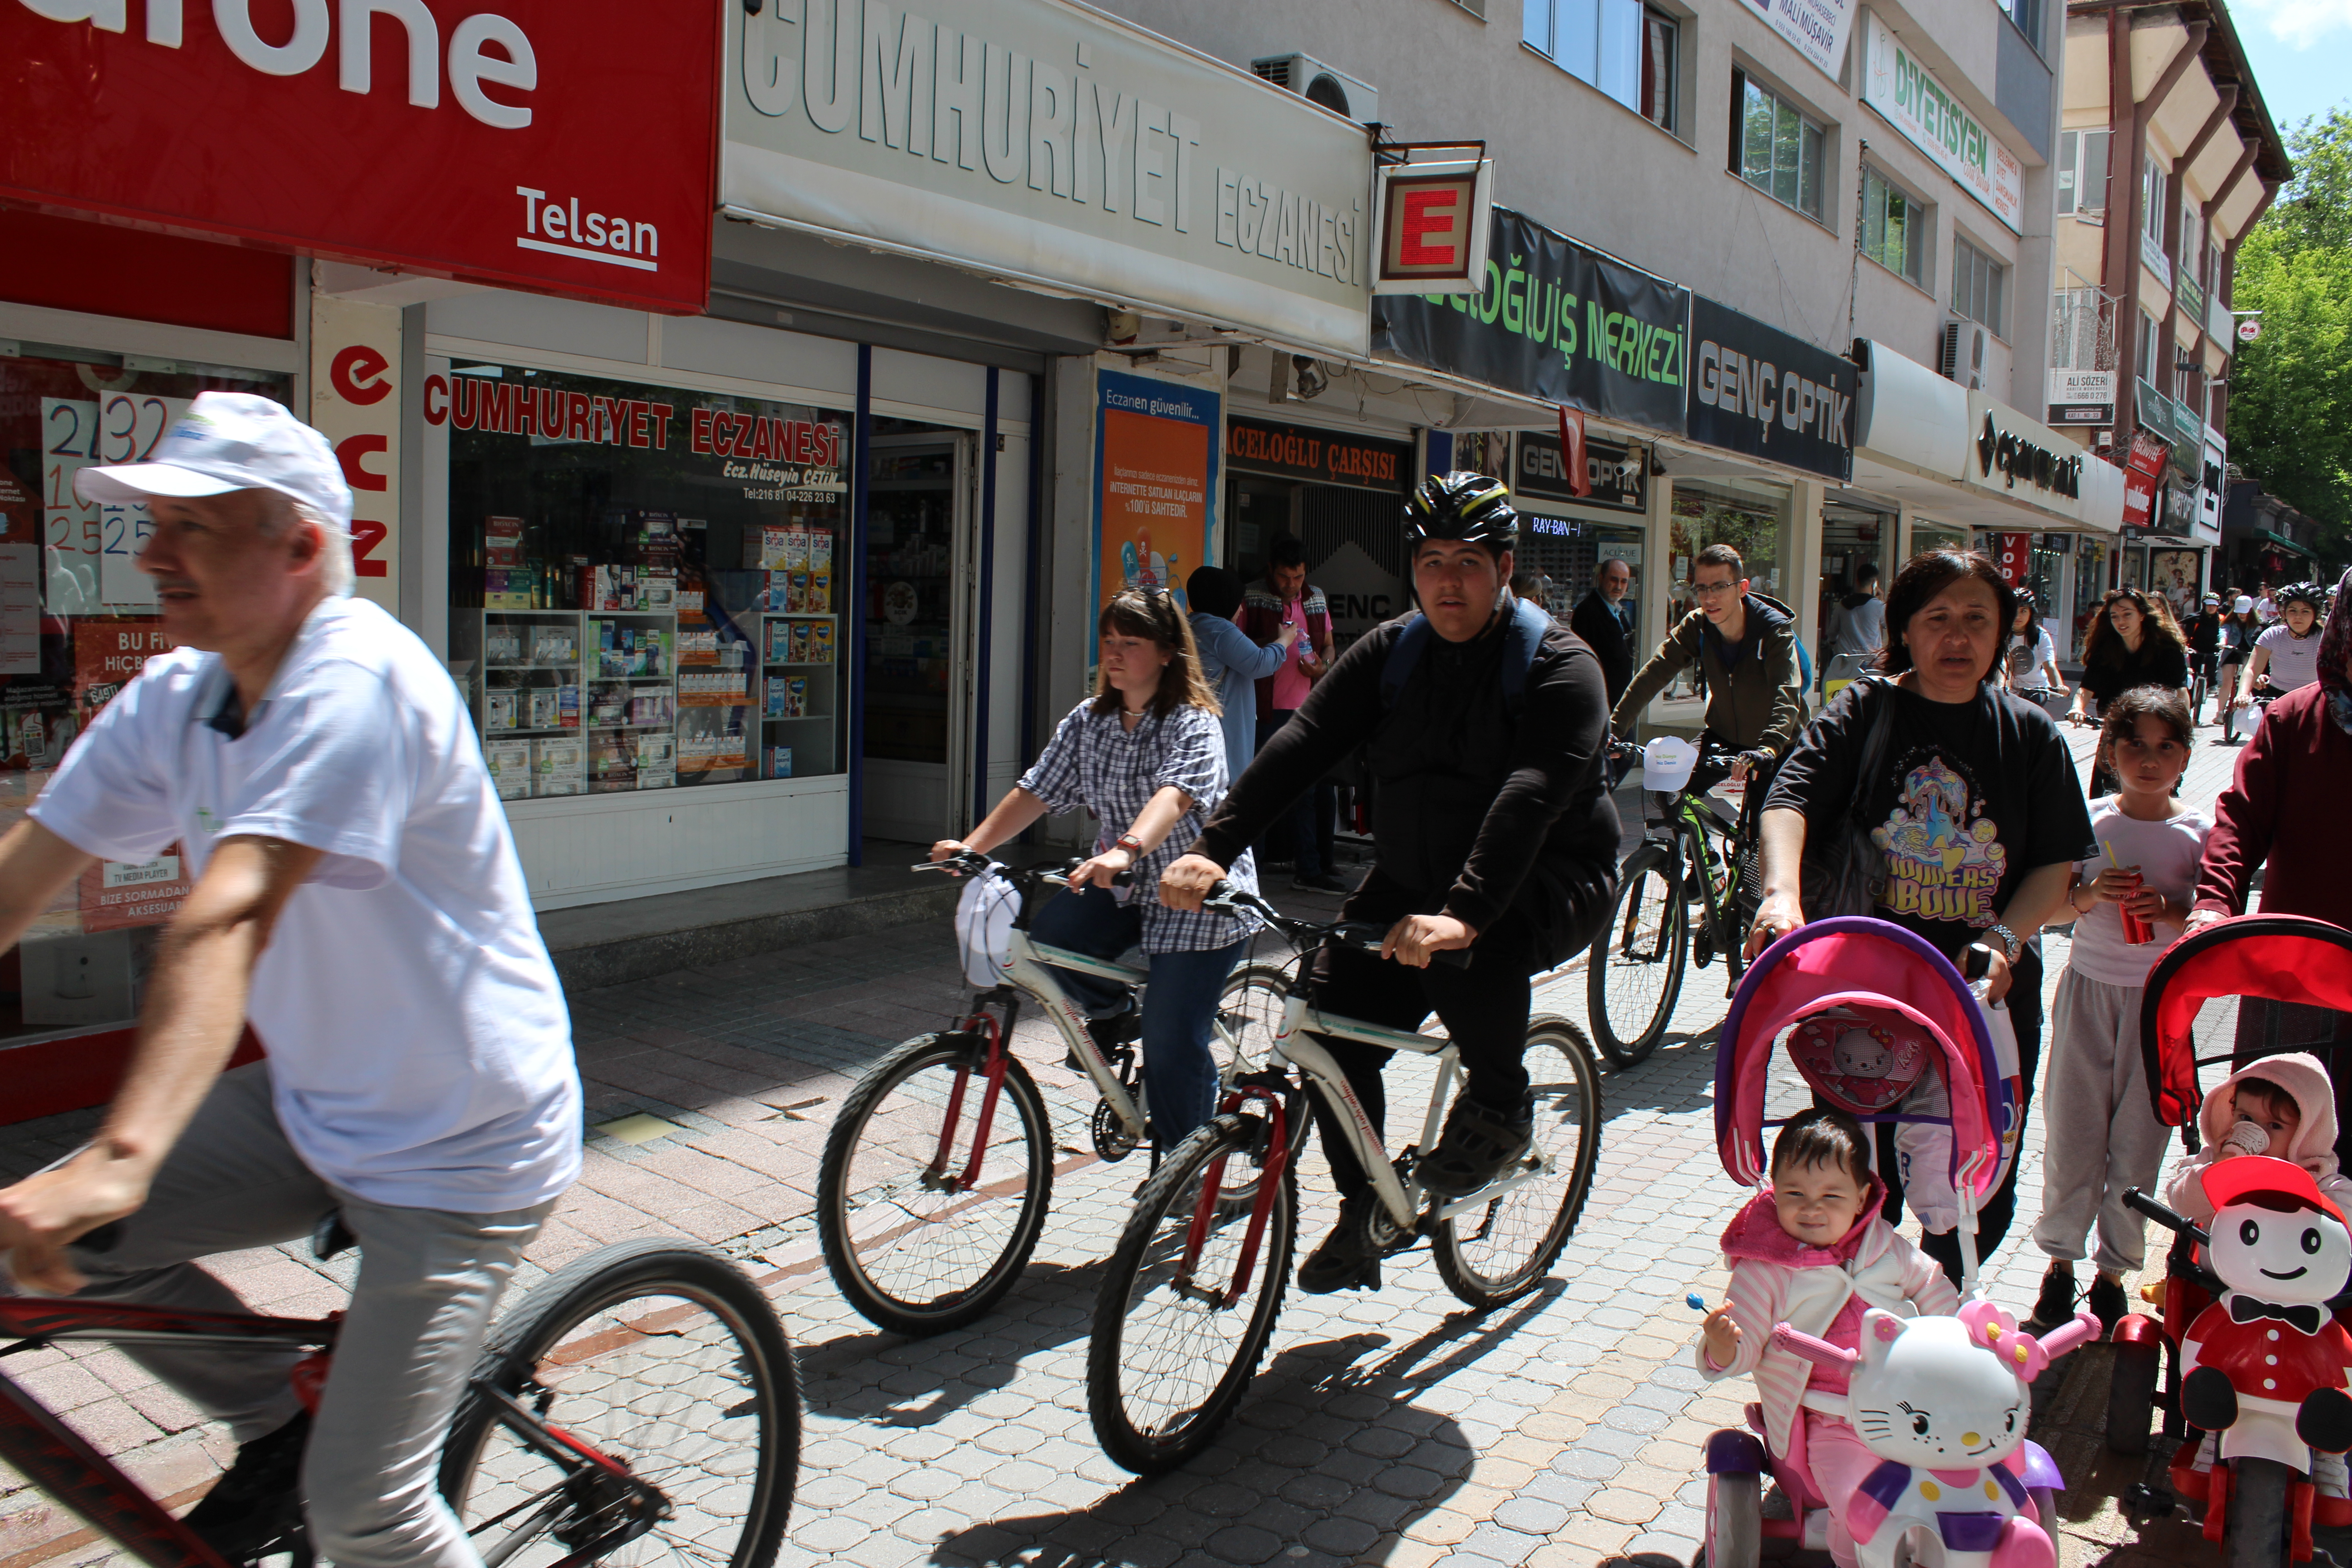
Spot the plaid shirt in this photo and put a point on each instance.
(1094, 761)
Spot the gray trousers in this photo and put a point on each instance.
(2099, 1134)
(427, 1284)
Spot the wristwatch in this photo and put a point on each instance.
(2010, 942)
(1132, 845)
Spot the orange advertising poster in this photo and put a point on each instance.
(1157, 461)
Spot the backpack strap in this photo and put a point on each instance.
(1523, 640)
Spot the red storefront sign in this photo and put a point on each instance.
(567, 148)
(2014, 557)
(2143, 472)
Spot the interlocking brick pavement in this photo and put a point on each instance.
(1398, 1428)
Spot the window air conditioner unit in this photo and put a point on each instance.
(1962, 355)
(1317, 83)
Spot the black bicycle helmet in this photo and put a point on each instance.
(1466, 506)
(2310, 594)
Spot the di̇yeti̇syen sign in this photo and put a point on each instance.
(563, 148)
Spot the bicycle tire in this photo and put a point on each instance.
(1142, 1425)
(2261, 1520)
(1518, 1236)
(911, 1258)
(539, 1345)
(1621, 955)
(1251, 1008)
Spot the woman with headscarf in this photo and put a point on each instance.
(2284, 813)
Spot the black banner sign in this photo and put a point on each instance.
(1555, 322)
(1759, 391)
(1619, 475)
(1299, 452)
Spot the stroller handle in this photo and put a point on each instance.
(2172, 1219)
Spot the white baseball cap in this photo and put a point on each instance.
(2245, 605)
(230, 441)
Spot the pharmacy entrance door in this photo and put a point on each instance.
(921, 561)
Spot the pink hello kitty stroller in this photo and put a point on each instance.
(1879, 1023)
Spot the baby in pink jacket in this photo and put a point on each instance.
(1811, 1252)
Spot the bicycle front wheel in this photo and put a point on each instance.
(910, 1246)
(1497, 1250)
(1634, 972)
(1173, 1347)
(662, 1357)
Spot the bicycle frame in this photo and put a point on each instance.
(1684, 820)
(63, 1464)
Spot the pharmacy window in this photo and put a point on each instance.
(1976, 284)
(646, 583)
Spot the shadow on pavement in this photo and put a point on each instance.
(1325, 1461)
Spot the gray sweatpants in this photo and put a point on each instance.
(2099, 1134)
(427, 1284)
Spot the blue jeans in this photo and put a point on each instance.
(1310, 821)
(1180, 1004)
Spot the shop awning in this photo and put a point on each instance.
(2282, 542)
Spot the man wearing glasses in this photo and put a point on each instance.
(1745, 647)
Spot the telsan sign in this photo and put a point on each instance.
(1046, 143)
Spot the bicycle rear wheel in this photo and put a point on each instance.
(909, 1247)
(1498, 1250)
(1251, 1012)
(1169, 1355)
(1634, 972)
(664, 1358)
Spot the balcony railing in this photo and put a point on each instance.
(2192, 295)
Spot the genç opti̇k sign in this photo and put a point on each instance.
(561, 146)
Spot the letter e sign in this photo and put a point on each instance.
(356, 398)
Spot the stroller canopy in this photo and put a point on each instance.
(2278, 958)
(1853, 961)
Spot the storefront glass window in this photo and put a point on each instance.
(1852, 538)
(2090, 587)
(1565, 554)
(646, 584)
(77, 620)
(1743, 515)
(1927, 535)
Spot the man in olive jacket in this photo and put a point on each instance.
(1747, 645)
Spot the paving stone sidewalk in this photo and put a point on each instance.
(1397, 1428)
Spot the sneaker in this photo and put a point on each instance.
(1478, 1144)
(255, 1509)
(1346, 1261)
(1320, 882)
(1122, 1028)
(2106, 1302)
(2055, 1304)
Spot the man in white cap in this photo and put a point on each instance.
(357, 897)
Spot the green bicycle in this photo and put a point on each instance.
(1694, 852)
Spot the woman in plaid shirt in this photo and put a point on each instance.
(1146, 754)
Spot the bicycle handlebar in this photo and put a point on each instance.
(1226, 899)
(972, 863)
(2164, 1214)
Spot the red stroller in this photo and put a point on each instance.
(2277, 958)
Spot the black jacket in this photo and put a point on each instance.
(1757, 706)
(1476, 812)
(1612, 644)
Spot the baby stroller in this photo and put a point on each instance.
(2278, 958)
(1880, 1025)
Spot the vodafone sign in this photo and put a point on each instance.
(559, 146)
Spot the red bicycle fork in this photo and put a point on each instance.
(994, 1066)
(1213, 1180)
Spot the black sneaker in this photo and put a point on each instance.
(1346, 1261)
(2106, 1302)
(2055, 1304)
(256, 1510)
(1478, 1144)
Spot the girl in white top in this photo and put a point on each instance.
(2102, 1136)
(2032, 657)
(2286, 657)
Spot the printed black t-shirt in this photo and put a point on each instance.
(1971, 797)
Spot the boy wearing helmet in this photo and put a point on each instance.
(1491, 830)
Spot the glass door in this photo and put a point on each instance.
(919, 628)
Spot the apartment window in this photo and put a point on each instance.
(2027, 15)
(1623, 47)
(1894, 226)
(2192, 242)
(1976, 285)
(2082, 170)
(2151, 200)
(1776, 147)
(2143, 357)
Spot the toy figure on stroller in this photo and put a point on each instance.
(2253, 1488)
(1879, 1025)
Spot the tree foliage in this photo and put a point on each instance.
(2291, 393)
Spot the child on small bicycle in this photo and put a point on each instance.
(1813, 1252)
(2104, 1135)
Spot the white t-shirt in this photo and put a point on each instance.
(2168, 854)
(417, 1036)
(2030, 667)
(2293, 661)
